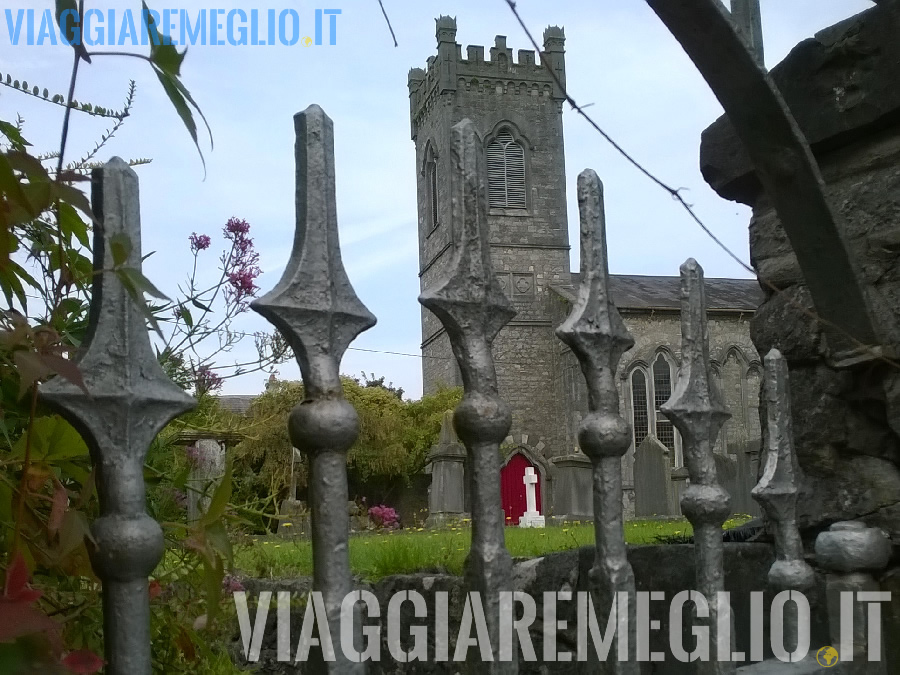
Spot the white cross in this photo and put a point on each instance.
(531, 518)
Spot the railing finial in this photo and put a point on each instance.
(597, 335)
(472, 308)
(777, 493)
(698, 411)
(317, 311)
(130, 401)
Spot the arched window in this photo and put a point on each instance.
(662, 391)
(506, 172)
(641, 421)
(650, 388)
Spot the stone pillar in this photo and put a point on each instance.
(572, 489)
(447, 459)
(531, 517)
(208, 458)
(850, 551)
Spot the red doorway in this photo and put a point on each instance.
(512, 488)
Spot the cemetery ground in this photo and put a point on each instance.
(381, 553)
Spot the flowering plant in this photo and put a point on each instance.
(384, 517)
(204, 315)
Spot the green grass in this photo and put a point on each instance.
(377, 555)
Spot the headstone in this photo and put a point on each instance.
(572, 488)
(447, 461)
(726, 470)
(531, 517)
(680, 479)
(208, 458)
(742, 502)
(651, 479)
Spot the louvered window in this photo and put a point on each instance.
(506, 172)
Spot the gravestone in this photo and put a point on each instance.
(294, 513)
(726, 470)
(680, 479)
(742, 502)
(447, 462)
(651, 479)
(208, 466)
(531, 517)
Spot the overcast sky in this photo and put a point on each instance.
(620, 59)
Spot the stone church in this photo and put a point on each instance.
(516, 106)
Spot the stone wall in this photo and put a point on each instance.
(842, 89)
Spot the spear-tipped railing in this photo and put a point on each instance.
(777, 493)
(127, 402)
(698, 411)
(317, 311)
(598, 337)
(472, 308)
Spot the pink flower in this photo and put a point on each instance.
(241, 264)
(206, 380)
(231, 585)
(199, 242)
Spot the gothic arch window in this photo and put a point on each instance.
(662, 391)
(640, 417)
(650, 387)
(506, 171)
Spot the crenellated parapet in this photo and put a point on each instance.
(503, 73)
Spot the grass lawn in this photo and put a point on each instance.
(376, 555)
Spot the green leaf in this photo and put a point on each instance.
(199, 305)
(120, 247)
(142, 283)
(75, 197)
(137, 296)
(186, 316)
(70, 224)
(14, 135)
(220, 498)
(52, 439)
(62, 6)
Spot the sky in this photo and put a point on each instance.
(620, 61)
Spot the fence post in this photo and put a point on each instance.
(698, 411)
(472, 308)
(129, 400)
(777, 491)
(598, 337)
(317, 311)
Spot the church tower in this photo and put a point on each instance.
(516, 106)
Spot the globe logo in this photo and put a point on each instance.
(827, 657)
(306, 42)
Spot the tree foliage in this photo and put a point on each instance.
(394, 439)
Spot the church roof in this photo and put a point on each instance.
(237, 404)
(634, 291)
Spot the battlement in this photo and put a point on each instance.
(502, 72)
(500, 57)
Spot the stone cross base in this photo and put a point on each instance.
(531, 519)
